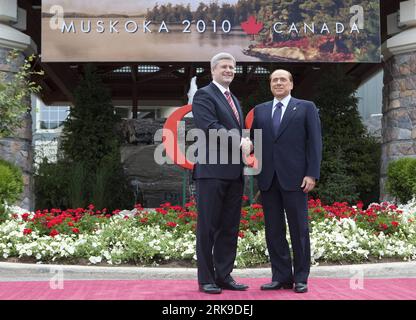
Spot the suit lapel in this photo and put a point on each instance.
(240, 112)
(224, 101)
(288, 116)
(268, 118)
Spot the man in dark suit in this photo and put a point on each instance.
(219, 183)
(291, 157)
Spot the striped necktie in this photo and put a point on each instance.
(276, 118)
(231, 103)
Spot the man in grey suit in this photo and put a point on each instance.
(292, 152)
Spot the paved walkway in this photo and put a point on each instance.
(383, 281)
(31, 272)
(319, 289)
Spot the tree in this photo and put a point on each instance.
(88, 133)
(14, 93)
(91, 148)
(345, 137)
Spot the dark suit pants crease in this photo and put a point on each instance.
(275, 202)
(219, 211)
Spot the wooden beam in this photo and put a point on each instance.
(66, 86)
(135, 102)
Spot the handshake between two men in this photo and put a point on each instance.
(246, 146)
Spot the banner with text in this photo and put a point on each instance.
(185, 30)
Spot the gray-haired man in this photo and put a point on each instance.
(219, 187)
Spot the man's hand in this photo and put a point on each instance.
(246, 146)
(308, 184)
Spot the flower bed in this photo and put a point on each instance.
(339, 233)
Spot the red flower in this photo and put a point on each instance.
(27, 231)
(171, 224)
(25, 216)
(91, 207)
(245, 198)
(256, 206)
(71, 224)
(394, 223)
(166, 204)
(54, 233)
(189, 204)
(162, 211)
(144, 220)
(383, 226)
(241, 234)
(75, 230)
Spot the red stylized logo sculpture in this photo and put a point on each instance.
(171, 145)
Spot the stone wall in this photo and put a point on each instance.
(18, 148)
(399, 112)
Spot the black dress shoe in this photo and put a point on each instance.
(301, 287)
(209, 288)
(232, 285)
(276, 285)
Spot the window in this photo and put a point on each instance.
(53, 117)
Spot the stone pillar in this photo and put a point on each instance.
(16, 149)
(399, 102)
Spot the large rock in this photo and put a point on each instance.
(142, 131)
(152, 183)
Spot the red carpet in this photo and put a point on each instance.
(319, 289)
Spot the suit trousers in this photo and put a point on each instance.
(277, 202)
(219, 211)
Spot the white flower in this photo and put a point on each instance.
(95, 260)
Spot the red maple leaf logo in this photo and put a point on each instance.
(251, 26)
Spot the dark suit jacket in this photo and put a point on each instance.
(211, 110)
(297, 150)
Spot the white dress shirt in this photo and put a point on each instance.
(222, 89)
(284, 101)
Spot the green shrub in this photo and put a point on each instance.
(401, 179)
(339, 185)
(11, 182)
(51, 185)
(3, 214)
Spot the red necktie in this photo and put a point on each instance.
(231, 103)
